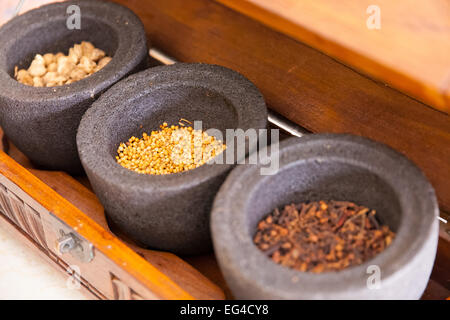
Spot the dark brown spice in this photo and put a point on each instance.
(322, 236)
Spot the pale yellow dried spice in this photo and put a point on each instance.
(50, 69)
(172, 149)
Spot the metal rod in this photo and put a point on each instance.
(18, 8)
(442, 220)
(288, 126)
(161, 56)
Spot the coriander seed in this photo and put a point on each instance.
(172, 149)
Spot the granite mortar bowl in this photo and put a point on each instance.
(329, 167)
(42, 122)
(167, 212)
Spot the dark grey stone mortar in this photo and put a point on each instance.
(42, 122)
(330, 167)
(167, 212)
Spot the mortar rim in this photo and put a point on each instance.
(188, 74)
(235, 248)
(123, 61)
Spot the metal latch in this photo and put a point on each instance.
(79, 249)
(68, 242)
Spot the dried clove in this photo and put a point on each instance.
(322, 236)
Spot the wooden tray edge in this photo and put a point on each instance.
(157, 283)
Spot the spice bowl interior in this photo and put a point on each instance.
(42, 121)
(171, 211)
(329, 167)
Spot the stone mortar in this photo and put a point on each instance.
(42, 122)
(166, 212)
(329, 167)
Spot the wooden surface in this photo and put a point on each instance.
(205, 281)
(172, 266)
(410, 51)
(164, 274)
(198, 279)
(105, 243)
(301, 83)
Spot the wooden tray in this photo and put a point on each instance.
(43, 207)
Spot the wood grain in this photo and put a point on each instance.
(14, 232)
(302, 84)
(183, 274)
(106, 244)
(175, 268)
(410, 51)
(197, 281)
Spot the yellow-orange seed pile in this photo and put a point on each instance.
(172, 149)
